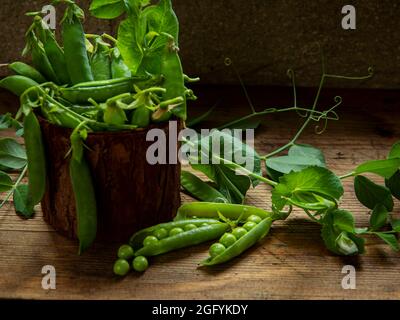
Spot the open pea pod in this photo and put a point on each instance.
(241, 245)
(136, 240)
(185, 239)
(212, 210)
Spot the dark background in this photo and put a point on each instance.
(263, 37)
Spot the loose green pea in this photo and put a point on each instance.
(161, 233)
(175, 231)
(216, 249)
(121, 267)
(150, 240)
(228, 239)
(189, 227)
(140, 264)
(239, 232)
(249, 225)
(254, 218)
(125, 252)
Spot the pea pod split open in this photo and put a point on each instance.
(241, 245)
(136, 240)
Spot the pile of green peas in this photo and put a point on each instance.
(228, 239)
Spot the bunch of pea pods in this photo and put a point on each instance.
(85, 85)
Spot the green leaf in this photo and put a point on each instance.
(390, 239)
(130, 40)
(338, 233)
(6, 183)
(378, 217)
(395, 151)
(345, 245)
(107, 9)
(161, 18)
(393, 183)
(200, 189)
(12, 154)
(313, 180)
(21, 201)
(299, 157)
(343, 220)
(222, 146)
(287, 164)
(370, 194)
(395, 225)
(383, 168)
(307, 151)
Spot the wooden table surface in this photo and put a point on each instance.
(291, 263)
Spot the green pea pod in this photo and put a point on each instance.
(141, 117)
(100, 61)
(184, 239)
(136, 240)
(241, 245)
(99, 91)
(17, 84)
(53, 51)
(26, 70)
(76, 56)
(212, 210)
(118, 67)
(85, 198)
(174, 83)
(36, 158)
(200, 189)
(39, 57)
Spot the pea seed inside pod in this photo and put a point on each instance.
(190, 226)
(204, 224)
(249, 225)
(150, 240)
(227, 239)
(239, 232)
(161, 233)
(254, 218)
(216, 249)
(175, 231)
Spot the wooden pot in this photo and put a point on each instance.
(131, 194)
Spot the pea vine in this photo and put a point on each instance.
(299, 178)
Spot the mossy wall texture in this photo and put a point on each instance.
(263, 38)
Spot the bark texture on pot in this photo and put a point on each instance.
(131, 194)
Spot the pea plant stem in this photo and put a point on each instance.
(16, 184)
(303, 127)
(348, 175)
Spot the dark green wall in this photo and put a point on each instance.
(264, 38)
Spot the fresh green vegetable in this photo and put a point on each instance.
(85, 198)
(36, 157)
(234, 249)
(184, 239)
(100, 61)
(125, 252)
(53, 51)
(227, 239)
(121, 267)
(17, 84)
(140, 264)
(77, 59)
(26, 70)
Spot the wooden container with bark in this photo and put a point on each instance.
(131, 194)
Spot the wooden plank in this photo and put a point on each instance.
(292, 262)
